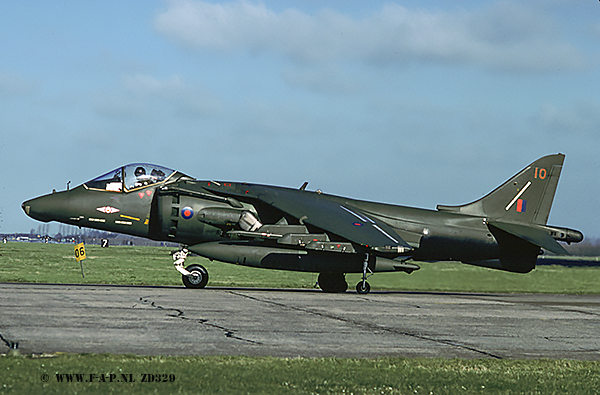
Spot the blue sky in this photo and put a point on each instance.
(414, 103)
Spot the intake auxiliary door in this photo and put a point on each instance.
(174, 219)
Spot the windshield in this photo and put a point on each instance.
(135, 175)
(111, 181)
(141, 175)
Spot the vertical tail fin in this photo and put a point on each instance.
(526, 197)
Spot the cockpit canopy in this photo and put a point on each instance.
(133, 176)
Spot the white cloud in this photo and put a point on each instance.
(506, 35)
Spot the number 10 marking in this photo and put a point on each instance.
(540, 173)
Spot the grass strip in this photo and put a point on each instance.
(129, 265)
(115, 374)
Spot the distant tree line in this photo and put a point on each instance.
(588, 247)
(73, 234)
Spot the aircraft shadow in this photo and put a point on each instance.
(261, 289)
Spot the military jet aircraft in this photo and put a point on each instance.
(296, 229)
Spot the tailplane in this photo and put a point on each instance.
(525, 198)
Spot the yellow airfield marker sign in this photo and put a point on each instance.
(79, 252)
(80, 256)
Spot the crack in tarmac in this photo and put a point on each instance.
(372, 326)
(557, 306)
(566, 341)
(8, 343)
(229, 333)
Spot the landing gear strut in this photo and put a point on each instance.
(363, 286)
(193, 276)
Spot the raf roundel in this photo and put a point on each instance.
(187, 212)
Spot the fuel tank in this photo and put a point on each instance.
(248, 253)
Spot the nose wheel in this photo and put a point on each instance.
(198, 277)
(193, 276)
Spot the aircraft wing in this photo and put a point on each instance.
(331, 214)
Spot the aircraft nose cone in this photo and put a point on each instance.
(34, 209)
(44, 208)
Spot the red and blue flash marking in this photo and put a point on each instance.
(521, 205)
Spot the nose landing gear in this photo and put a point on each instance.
(193, 276)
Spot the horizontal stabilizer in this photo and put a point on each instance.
(534, 235)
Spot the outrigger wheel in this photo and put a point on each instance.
(363, 287)
(198, 277)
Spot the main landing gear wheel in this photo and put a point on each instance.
(332, 283)
(198, 277)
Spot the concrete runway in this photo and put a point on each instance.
(45, 318)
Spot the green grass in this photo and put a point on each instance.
(55, 263)
(244, 375)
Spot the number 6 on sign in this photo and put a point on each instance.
(79, 252)
(80, 256)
